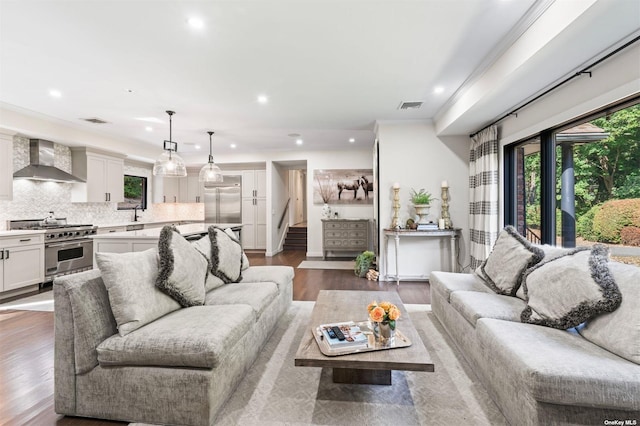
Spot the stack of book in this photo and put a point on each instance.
(345, 334)
(427, 226)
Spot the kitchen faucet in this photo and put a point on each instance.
(135, 212)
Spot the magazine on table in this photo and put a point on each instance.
(352, 336)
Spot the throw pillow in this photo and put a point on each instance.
(619, 331)
(245, 259)
(550, 253)
(203, 245)
(226, 256)
(510, 257)
(570, 289)
(130, 281)
(183, 269)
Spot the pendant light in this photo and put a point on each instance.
(170, 164)
(210, 172)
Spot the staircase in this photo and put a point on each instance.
(296, 238)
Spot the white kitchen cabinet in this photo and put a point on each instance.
(254, 183)
(254, 209)
(191, 190)
(167, 189)
(21, 261)
(6, 167)
(111, 229)
(104, 176)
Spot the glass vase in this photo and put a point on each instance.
(384, 333)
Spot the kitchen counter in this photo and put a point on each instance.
(145, 223)
(154, 233)
(20, 232)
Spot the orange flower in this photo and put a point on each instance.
(371, 306)
(394, 313)
(386, 306)
(377, 314)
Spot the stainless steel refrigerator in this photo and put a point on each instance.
(223, 201)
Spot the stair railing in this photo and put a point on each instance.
(284, 213)
(532, 236)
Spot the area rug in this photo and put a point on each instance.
(39, 302)
(275, 392)
(327, 264)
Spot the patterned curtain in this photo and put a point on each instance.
(483, 205)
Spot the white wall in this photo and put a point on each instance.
(414, 156)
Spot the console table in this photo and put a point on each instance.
(397, 234)
(349, 235)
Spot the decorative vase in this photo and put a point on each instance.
(422, 210)
(326, 211)
(384, 334)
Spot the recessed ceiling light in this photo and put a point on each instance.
(149, 129)
(55, 93)
(128, 90)
(299, 142)
(352, 140)
(197, 146)
(438, 89)
(263, 99)
(233, 145)
(196, 23)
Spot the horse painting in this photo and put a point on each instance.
(349, 186)
(366, 186)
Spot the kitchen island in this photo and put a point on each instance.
(143, 239)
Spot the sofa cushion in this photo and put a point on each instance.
(130, 279)
(256, 295)
(182, 268)
(560, 367)
(473, 305)
(619, 331)
(196, 337)
(281, 275)
(448, 282)
(570, 289)
(226, 255)
(510, 257)
(203, 245)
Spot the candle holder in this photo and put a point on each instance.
(445, 208)
(396, 208)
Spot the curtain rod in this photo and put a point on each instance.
(585, 70)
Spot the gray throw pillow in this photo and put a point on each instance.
(183, 269)
(511, 256)
(245, 259)
(619, 331)
(226, 256)
(570, 289)
(550, 253)
(130, 281)
(203, 245)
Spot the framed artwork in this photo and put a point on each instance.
(343, 186)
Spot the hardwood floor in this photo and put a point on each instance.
(26, 342)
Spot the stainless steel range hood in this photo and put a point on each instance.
(41, 164)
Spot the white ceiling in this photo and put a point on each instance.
(329, 68)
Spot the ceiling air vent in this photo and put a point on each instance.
(410, 105)
(94, 120)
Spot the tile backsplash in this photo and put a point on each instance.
(35, 199)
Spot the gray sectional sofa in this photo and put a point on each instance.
(178, 368)
(539, 375)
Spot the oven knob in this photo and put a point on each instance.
(78, 233)
(60, 235)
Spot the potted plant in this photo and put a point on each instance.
(364, 261)
(421, 202)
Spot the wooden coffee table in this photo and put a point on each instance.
(365, 367)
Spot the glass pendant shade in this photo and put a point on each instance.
(170, 164)
(210, 172)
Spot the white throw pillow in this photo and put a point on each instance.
(226, 256)
(130, 279)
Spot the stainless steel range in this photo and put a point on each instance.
(67, 247)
